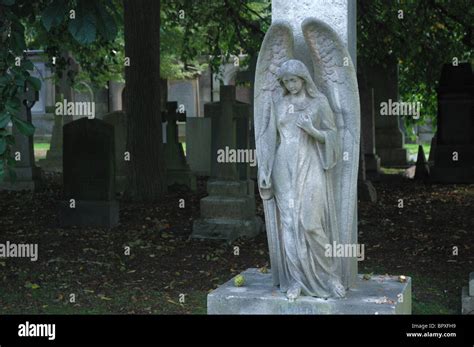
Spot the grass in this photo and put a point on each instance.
(41, 146)
(412, 149)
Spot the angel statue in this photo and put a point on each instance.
(304, 126)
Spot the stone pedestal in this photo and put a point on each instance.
(378, 295)
(467, 299)
(228, 212)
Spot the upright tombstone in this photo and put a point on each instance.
(177, 170)
(454, 150)
(115, 96)
(118, 120)
(27, 174)
(307, 127)
(88, 175)
(228, 212)
(54, 156)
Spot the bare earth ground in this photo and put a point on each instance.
(416, 240)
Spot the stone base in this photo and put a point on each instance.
(27, 178)
(181, 177)
(451, 174)
(467, 302)
(50, 165)
(378, 295)
(226, 229)
(393, 157)
(372, 164)
(89, 214)
(20, 185)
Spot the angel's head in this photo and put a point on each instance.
(293, 76)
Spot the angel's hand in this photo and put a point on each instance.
(305, 123)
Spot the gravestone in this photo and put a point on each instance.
(28, 176)
(53, 160)
(88, 175)
(177, 170)
(378, 295)
(185, 92)
(115, 96)
(454, 150)
(118, 120)
(468, 296)
(198, 145)
(228, 212)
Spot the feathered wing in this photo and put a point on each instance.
(277, 47)
(335, 76)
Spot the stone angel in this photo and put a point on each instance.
(307, 138)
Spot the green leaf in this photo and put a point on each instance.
(4, 119)
(3, 145)
(25, 128)
(83, 27)
(27, 64)
(54, 14)
(35, 82)
(13, 105)
(105, 23)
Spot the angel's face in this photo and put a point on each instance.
(293, 84)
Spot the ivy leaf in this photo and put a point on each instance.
(83, 27)
(25, 128)
(35, 82)
(27, 64)
(54, 14)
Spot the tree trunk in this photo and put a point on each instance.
(147, 172)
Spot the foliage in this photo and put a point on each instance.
(89, 29)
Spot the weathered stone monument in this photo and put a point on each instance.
(422, 170)
(454, 150)
(27, 174)
(468, 296)
(53, 160)
(177, 170)
(307, 128)
(198, 145)
(118, 120)
(229, 210)
(88, 175)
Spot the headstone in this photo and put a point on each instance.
(365, 189)
(28, 176)
(53, 161)
(177, 170)
(454, 150)
(228, 212)
(185, 92)
(367, 113)
(198, 145)
(389, 139)
(88, 175)
(118, 120)
(422, 171)
(467, 298)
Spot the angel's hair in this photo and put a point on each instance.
(297, 68)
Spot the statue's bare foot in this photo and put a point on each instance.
(338, 290)
(293, 292)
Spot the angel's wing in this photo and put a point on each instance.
(335, 76)
(277, 47)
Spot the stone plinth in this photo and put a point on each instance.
(378, 295)
(467, 297)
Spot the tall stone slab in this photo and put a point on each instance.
(229, 210)
(118, 120)
(454, 150)
(88, 175)
(389, 139)
(177, 170)
(27, 175)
